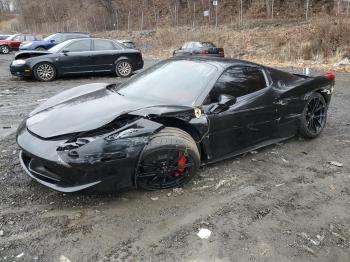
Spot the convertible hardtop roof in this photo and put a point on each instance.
(218, 61)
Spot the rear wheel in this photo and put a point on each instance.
(5, 49)
(45, 72)
(123, 68)
(314, 116)
(171, 159)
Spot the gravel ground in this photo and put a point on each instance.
(283, 203)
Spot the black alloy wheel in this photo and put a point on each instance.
(170, 159)
(314, 116)
(45, 72)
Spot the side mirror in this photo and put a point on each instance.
(65, 52)
(225, 101)
(52, 41)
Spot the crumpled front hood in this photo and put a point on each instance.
(88, 107)
(79, 109)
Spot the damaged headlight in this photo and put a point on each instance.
(123, 134)
(75, 144)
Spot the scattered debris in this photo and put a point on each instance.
(40, 100)
(220, 184)
(311, 251)
(169, 194)
(262, 213)
(64, 259)
(200, 188)
(20, 255)
(154, 198)
(6, 127)
(334, 163)
(1, 233)
(278, 185)
(178, 190)
(253, 152)
(312, 241)
(284, 160)
(204, 233)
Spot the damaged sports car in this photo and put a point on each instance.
(155, 130)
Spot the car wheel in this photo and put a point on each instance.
(314, 116)
(5, 49)
(40, 48)
(124, 68)
(45, 72)
(170, 159)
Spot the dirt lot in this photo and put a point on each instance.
(284, 203)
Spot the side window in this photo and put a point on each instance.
(101, 45)
(79, 46)
(30, 38)
(19, 38)
(59, 38)
(237, 82)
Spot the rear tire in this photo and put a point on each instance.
(45, 72)
(170, 159)
(314, 116)
(123, 68)
(5, 49)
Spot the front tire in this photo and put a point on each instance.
(45, 72)
(314, 116)
(5, 49)
(170, 159)
(123, 68)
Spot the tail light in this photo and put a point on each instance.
(330, 76)
(203, 52)
(222, 52)
(140, 53)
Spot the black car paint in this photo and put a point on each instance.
(78, 63)
(259, 119)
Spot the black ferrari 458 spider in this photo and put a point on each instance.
(155, 130)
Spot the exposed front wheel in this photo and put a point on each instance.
(124, 68)
(5, 49)
(314, 116)
(45, 72)
(171, 159)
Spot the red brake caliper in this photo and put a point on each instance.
(181, 162)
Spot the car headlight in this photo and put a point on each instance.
(123, 134)
(18, 62)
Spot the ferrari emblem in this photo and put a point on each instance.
(197, 112)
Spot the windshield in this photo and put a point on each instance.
(50, 37)
(58, 47)
(175, 82)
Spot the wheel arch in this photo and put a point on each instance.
(122, 58)
(36, 63)
(188, 128)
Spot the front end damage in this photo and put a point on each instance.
(104, 158)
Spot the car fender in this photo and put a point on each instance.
(123, 57)
(39, 60)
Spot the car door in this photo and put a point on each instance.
(105, 53)
(249, 121)
(76, 57)
(16, 42)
